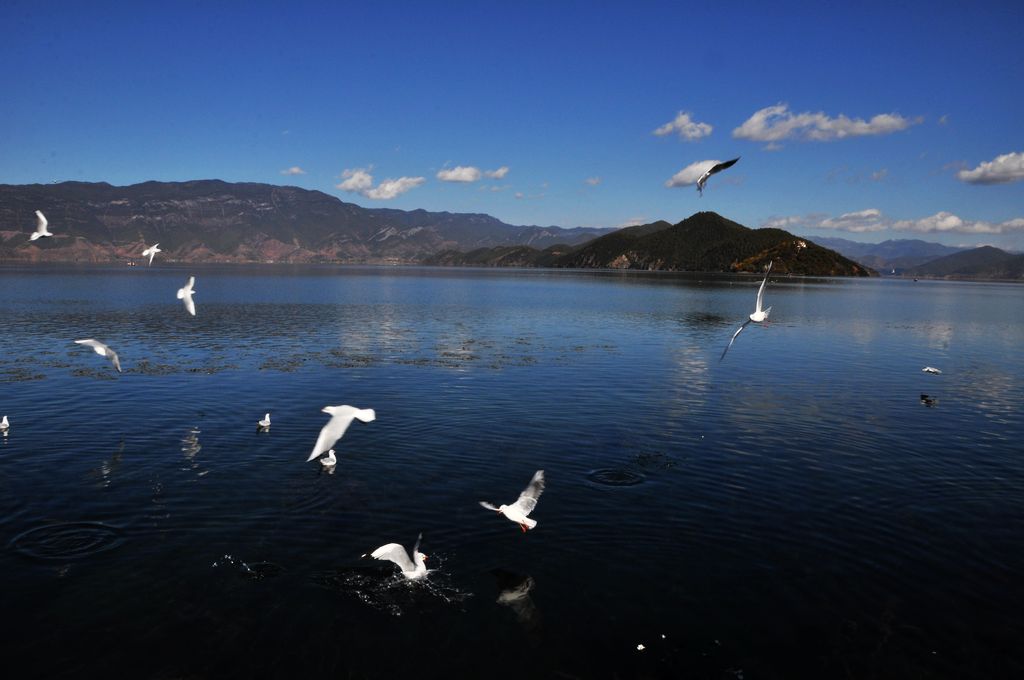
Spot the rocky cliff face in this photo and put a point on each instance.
(214, 221)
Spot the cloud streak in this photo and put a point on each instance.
(1004, 169)
(294, 170)
(872, 220)
(359, 181)
(468, 173)
(774, 124)
(688, 129)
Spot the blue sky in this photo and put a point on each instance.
(868, 121)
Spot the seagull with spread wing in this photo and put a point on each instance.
(412, 569)
(718, 167)
(102, 350)
(151, 251)
(185, 295)
(758, 316)
(341, 418)
(518, 512)
(41, 224)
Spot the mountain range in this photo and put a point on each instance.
(898, 254)
(215, 221)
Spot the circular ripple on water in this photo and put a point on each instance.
(615, 477)
(68, 540)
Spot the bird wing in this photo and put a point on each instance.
(392, 552)
(190, 305)
(760, 291)
(98, 346)
(527, 500)
(488, 506)
(722, 166)
(416, 548)
(330, 433)
(114, 360)
(187, 288)
(733, 339)
(41, 222)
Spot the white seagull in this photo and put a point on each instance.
(412, 569)
(718, 167)
(758, 316)
(265, 423)
(518, 512)
(102, 350)
(151, 251)
(329, 461)
(341, 418)
(185, 295)
(5, 424)
(40, 231)
(931, 369)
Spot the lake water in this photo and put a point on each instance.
(795, 510)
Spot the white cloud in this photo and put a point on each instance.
(593, 181)
(294, 170)
(1006, 168)
(497, 174)
(879, 175)
(390, 188)
(360, 181)
(356, 181)
(872, 220)
(632, 222)
(460, 173)
(687, 128)
(520, 195)
(690, 174)
(777, 123)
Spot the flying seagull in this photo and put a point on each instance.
(265, 423)
(41, 224)
(718, 167)
(185, 295)
(151, 251)
(341, 418)
(758, 316)
(102, 350)
(524, 505)
(412, 569)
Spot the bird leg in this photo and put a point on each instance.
(523, 527)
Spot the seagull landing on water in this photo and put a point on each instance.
(718, 167)
(41, 224)
(392, 552)
(185, 295)
(102, 350)
(758, 316)
(341, 418)
(151, 251)
(518, 512)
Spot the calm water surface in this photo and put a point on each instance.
(796, 510)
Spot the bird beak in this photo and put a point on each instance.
(424, 558)
(324, 410)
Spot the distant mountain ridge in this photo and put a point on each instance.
(216, 221)
(705, 241)
(899, 254)
(986, 262)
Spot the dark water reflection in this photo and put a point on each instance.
(792, 511)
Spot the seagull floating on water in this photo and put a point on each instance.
(412, 569)
(102, 350)
(718, 167)
(41, 224)
(185, 295)
(518, 512)
(329, 461)
(758, 316)
(151, 251)
(341, 418)
(931, 369)
(5, 424)
(265, 423)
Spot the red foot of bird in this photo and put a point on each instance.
(523, 527)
